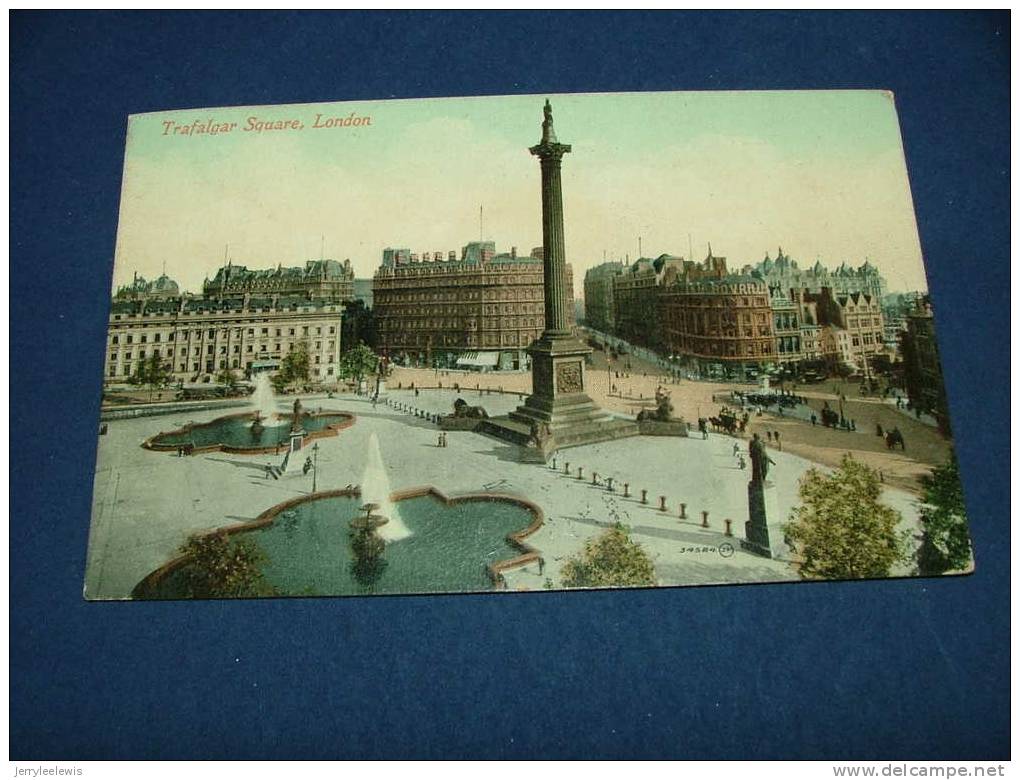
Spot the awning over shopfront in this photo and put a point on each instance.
(479, 359)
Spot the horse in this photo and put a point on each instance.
(894, 437)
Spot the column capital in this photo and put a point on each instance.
(550, 151)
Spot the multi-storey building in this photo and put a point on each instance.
(319, 279)
(896, 307)
(787, 323)
(599, 305)
(482, 310)
(722, 326)
(922, 367)
(783, 272)
(197, 337)
(635, 293)
(855, 322)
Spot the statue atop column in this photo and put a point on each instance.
(548, 133)
(760, 460)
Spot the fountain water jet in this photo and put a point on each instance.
(264, 401)
(375, 489)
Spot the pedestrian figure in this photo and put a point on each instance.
(878, 430)
(741, 462)
(853, 425)
(769, 435)
(307, 466)
(776, 437)
(269, 471)
(814, 420)
(736, 449)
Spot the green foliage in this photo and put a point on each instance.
(151, 372)
(293, 368)
(295, 364)
(610, 560)
(227, 378)
(945, 543)
(357, 362)
(841, 530)
(221, 567)
(368, 548)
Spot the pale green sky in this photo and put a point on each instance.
(819, 173)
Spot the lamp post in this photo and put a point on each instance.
(315, 465)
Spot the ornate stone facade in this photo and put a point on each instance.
(599, 306)
(431, 311)
(726, 321)
(783, 272)
(198, 337)
(319, 279)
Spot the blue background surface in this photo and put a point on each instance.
(905, 669)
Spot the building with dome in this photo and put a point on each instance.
(158, 289)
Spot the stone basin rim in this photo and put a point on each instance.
(529, 553)
(333, 429)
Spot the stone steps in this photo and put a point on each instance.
(601, 427)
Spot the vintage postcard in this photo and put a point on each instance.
(520, 343)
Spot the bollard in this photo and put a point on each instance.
(609, 484)
(644, 496)
(594, 477)
(626, 490)
(683, 511)
(662, 503)
(580, 472)
(704, 519)
(729, 530)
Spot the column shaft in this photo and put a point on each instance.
(556, 319)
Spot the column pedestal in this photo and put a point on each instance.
(559, 400)
(763, 531)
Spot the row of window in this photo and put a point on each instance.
(401, 340)
(210, 350)
(211, 310)
(209, 368)
(211, 333)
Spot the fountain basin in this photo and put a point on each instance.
(232, 433)
(460, 544)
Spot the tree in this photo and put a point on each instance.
(842, 530)
(610, 560)
(228, 379)
(357, 362)
(294, 367)
(945, 540)
(221, 567)
(295, 364)
(151, 372)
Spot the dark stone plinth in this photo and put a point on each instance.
(603, 429)
(453, 423)
(659, 428)
(763, 531)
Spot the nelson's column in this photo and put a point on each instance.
(558, 398)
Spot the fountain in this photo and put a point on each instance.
(375, 489)
(264, 400)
